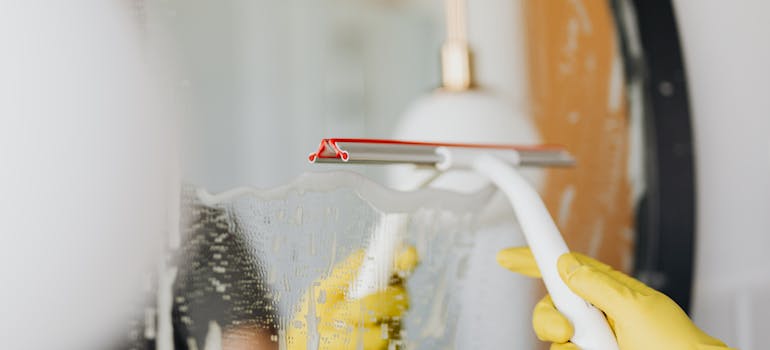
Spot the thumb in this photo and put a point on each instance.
(406, 261)
(597, 287)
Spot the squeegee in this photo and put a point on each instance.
(497, 163)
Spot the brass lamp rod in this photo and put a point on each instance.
(455, 53)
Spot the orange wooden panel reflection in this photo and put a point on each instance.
(578, 100)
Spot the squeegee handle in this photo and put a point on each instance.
(377, 266)
(592, 332)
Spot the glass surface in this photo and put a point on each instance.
(260, 83)
(248, 257)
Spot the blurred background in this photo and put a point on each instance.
(266, 80)
(664, 104)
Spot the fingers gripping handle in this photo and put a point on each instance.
(591, 329)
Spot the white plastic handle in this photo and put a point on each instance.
(378, 263)
(591, 329)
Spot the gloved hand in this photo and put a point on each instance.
(373, 320)
(641, 317)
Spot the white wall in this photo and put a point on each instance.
(83, 141)
(266, 80)
(727, 50)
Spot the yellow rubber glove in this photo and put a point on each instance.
(374, 320)
(641, 317)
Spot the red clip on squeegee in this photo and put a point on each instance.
(377, 151)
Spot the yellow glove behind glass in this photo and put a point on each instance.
(374, 320)
(641, 317)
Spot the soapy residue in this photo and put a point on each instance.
(245, 261)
